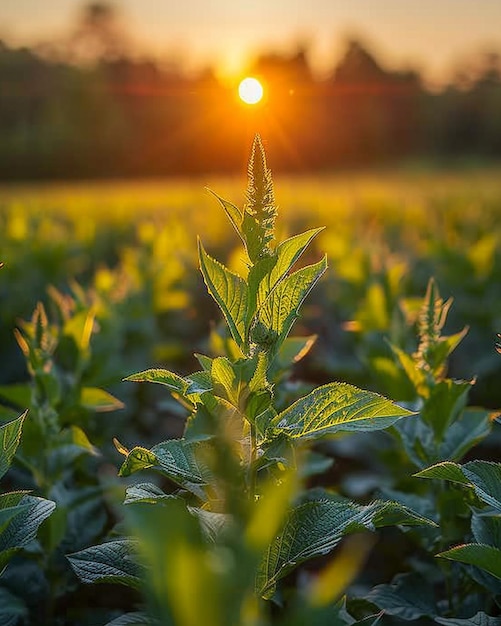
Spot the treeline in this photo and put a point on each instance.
(122, 117)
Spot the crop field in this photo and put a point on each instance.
(385, 235)
(103, 281)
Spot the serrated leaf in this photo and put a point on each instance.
(444, 471)
(23, 528)
(486, 527)
(338, 407)
(226, 384)
(99, 400)
(137, 459)
(144, 492)
(199, 383)
(205, 361)
(269, 271)
(315, 527)
(111, 562)
(486, 557)
(287, 253)
(182, 461)
(480, 619)
(280, 310)
(133, 619)
(7, 514)
(179, 460)
(483, 476)
(10, 435)
(162, 377)
(408, 597)
(229, 291)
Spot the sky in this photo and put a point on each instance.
(430, 35)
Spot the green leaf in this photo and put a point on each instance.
(229, 291)
(446, 400)
(444, 471)
(338, 407)
(486, 527)
(268, 272)
(179, 460)
(111, 562)
(315, 527)
(226, 384)
(7, 514)
(23, 528)
(133, 619)
(280, 310)
(99, 400)
(162, 377)
(137, 459)
(480, 619)
(485, 557)
(483, 476)
(144, 492)
(469, 429)
(234, 214)
(199, 383)
(10, 435)
(408, 597)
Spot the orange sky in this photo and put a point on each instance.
(428, 34)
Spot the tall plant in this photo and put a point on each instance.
(237, 520)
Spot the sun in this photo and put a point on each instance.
(250, 90)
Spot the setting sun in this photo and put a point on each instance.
(250, 90)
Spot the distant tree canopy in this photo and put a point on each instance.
(89, 109)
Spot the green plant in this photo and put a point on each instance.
(55, 457)
(238, 519)
(443, 430)
(21, 515)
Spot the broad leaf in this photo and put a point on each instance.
(315, 527)
(10, 435)
(486, 527)
(486, 557)
(472, 427)
(181, 461)
(408, 597)
(112, 562)
(281, 308)
(162, 377)
(447, 398)
(22, 529)
(338, 407)
(480, 619)
(133, 619)
(144, 492)
(483, 476)
(268, 272)
(99, 400)
(229, 291)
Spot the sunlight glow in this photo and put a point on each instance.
(250, 90)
